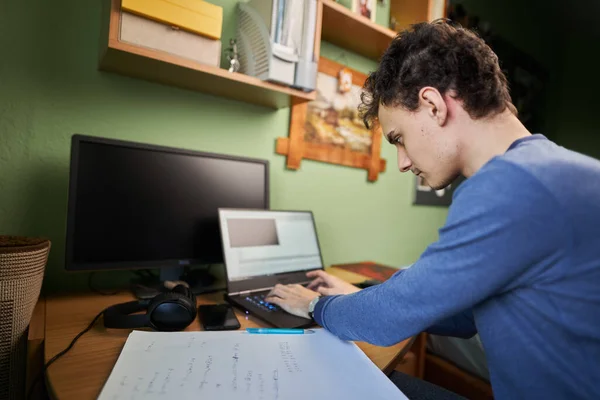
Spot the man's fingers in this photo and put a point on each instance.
(325, 291)
(326, 279)
(315, 283)
(278, 290)
(274, 300)
(318, 273)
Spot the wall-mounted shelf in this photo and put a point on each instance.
(335, 24)
(157, 66)
(408, 12)
(354, 32)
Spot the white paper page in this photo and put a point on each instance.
(238, 365)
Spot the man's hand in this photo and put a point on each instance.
(292, 298)
(329, 285)
(296, 298)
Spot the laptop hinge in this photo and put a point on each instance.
(245, 292)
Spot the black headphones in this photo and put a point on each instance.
(169, 311)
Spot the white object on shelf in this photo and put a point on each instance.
(308, 66)
(271, 37)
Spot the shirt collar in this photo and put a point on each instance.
(537, 136)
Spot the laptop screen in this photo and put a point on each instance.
(258, 243)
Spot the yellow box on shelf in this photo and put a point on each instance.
(196, 16)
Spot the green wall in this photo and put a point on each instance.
(529, 26)
(50, 88)
(561, 38)
(523, 23)
(576, 121)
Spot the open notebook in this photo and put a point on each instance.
(238, 365)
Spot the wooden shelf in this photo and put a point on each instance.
(164, 68)
(157, 66)
(408, 12)
(354, 32)
(335, 24)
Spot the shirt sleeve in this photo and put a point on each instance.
(461, 325)
(502, 229)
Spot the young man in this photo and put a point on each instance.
(518, 260)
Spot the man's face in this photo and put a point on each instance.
(424, 147)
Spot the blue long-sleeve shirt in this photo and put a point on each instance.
(518, 261)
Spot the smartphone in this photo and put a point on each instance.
(218, 317)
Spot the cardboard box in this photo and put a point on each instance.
(195, 16)
(144, 32)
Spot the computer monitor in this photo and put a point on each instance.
(135, 205)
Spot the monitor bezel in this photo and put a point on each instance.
(76, 141)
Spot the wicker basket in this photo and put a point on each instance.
(22, 264)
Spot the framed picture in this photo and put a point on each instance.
(366, 8)
(329, 128)
(425, 195)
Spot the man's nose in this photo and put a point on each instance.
(404, 163)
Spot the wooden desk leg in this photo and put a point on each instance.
(413, 362)
(35, 350)
(420, 347)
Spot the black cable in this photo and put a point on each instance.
(145, 274)
(94, 289)
(139, 273)
(150, 274)
(62, 353)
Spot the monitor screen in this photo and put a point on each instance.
(261, 243)
(141, 206)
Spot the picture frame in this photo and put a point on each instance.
(366, 8)
(328, 129)
(426, 196)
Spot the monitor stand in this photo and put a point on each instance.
(199, 280)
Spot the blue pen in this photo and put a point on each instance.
(271, 331)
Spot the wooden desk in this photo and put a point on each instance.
(81, 373)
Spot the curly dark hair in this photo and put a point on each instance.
(443, 56)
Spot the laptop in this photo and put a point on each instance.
(262, 248)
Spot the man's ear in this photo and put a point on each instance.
(434, 103)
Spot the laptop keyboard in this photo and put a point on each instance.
(259, 301)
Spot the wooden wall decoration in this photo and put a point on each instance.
(329, 129)
(424, 195)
